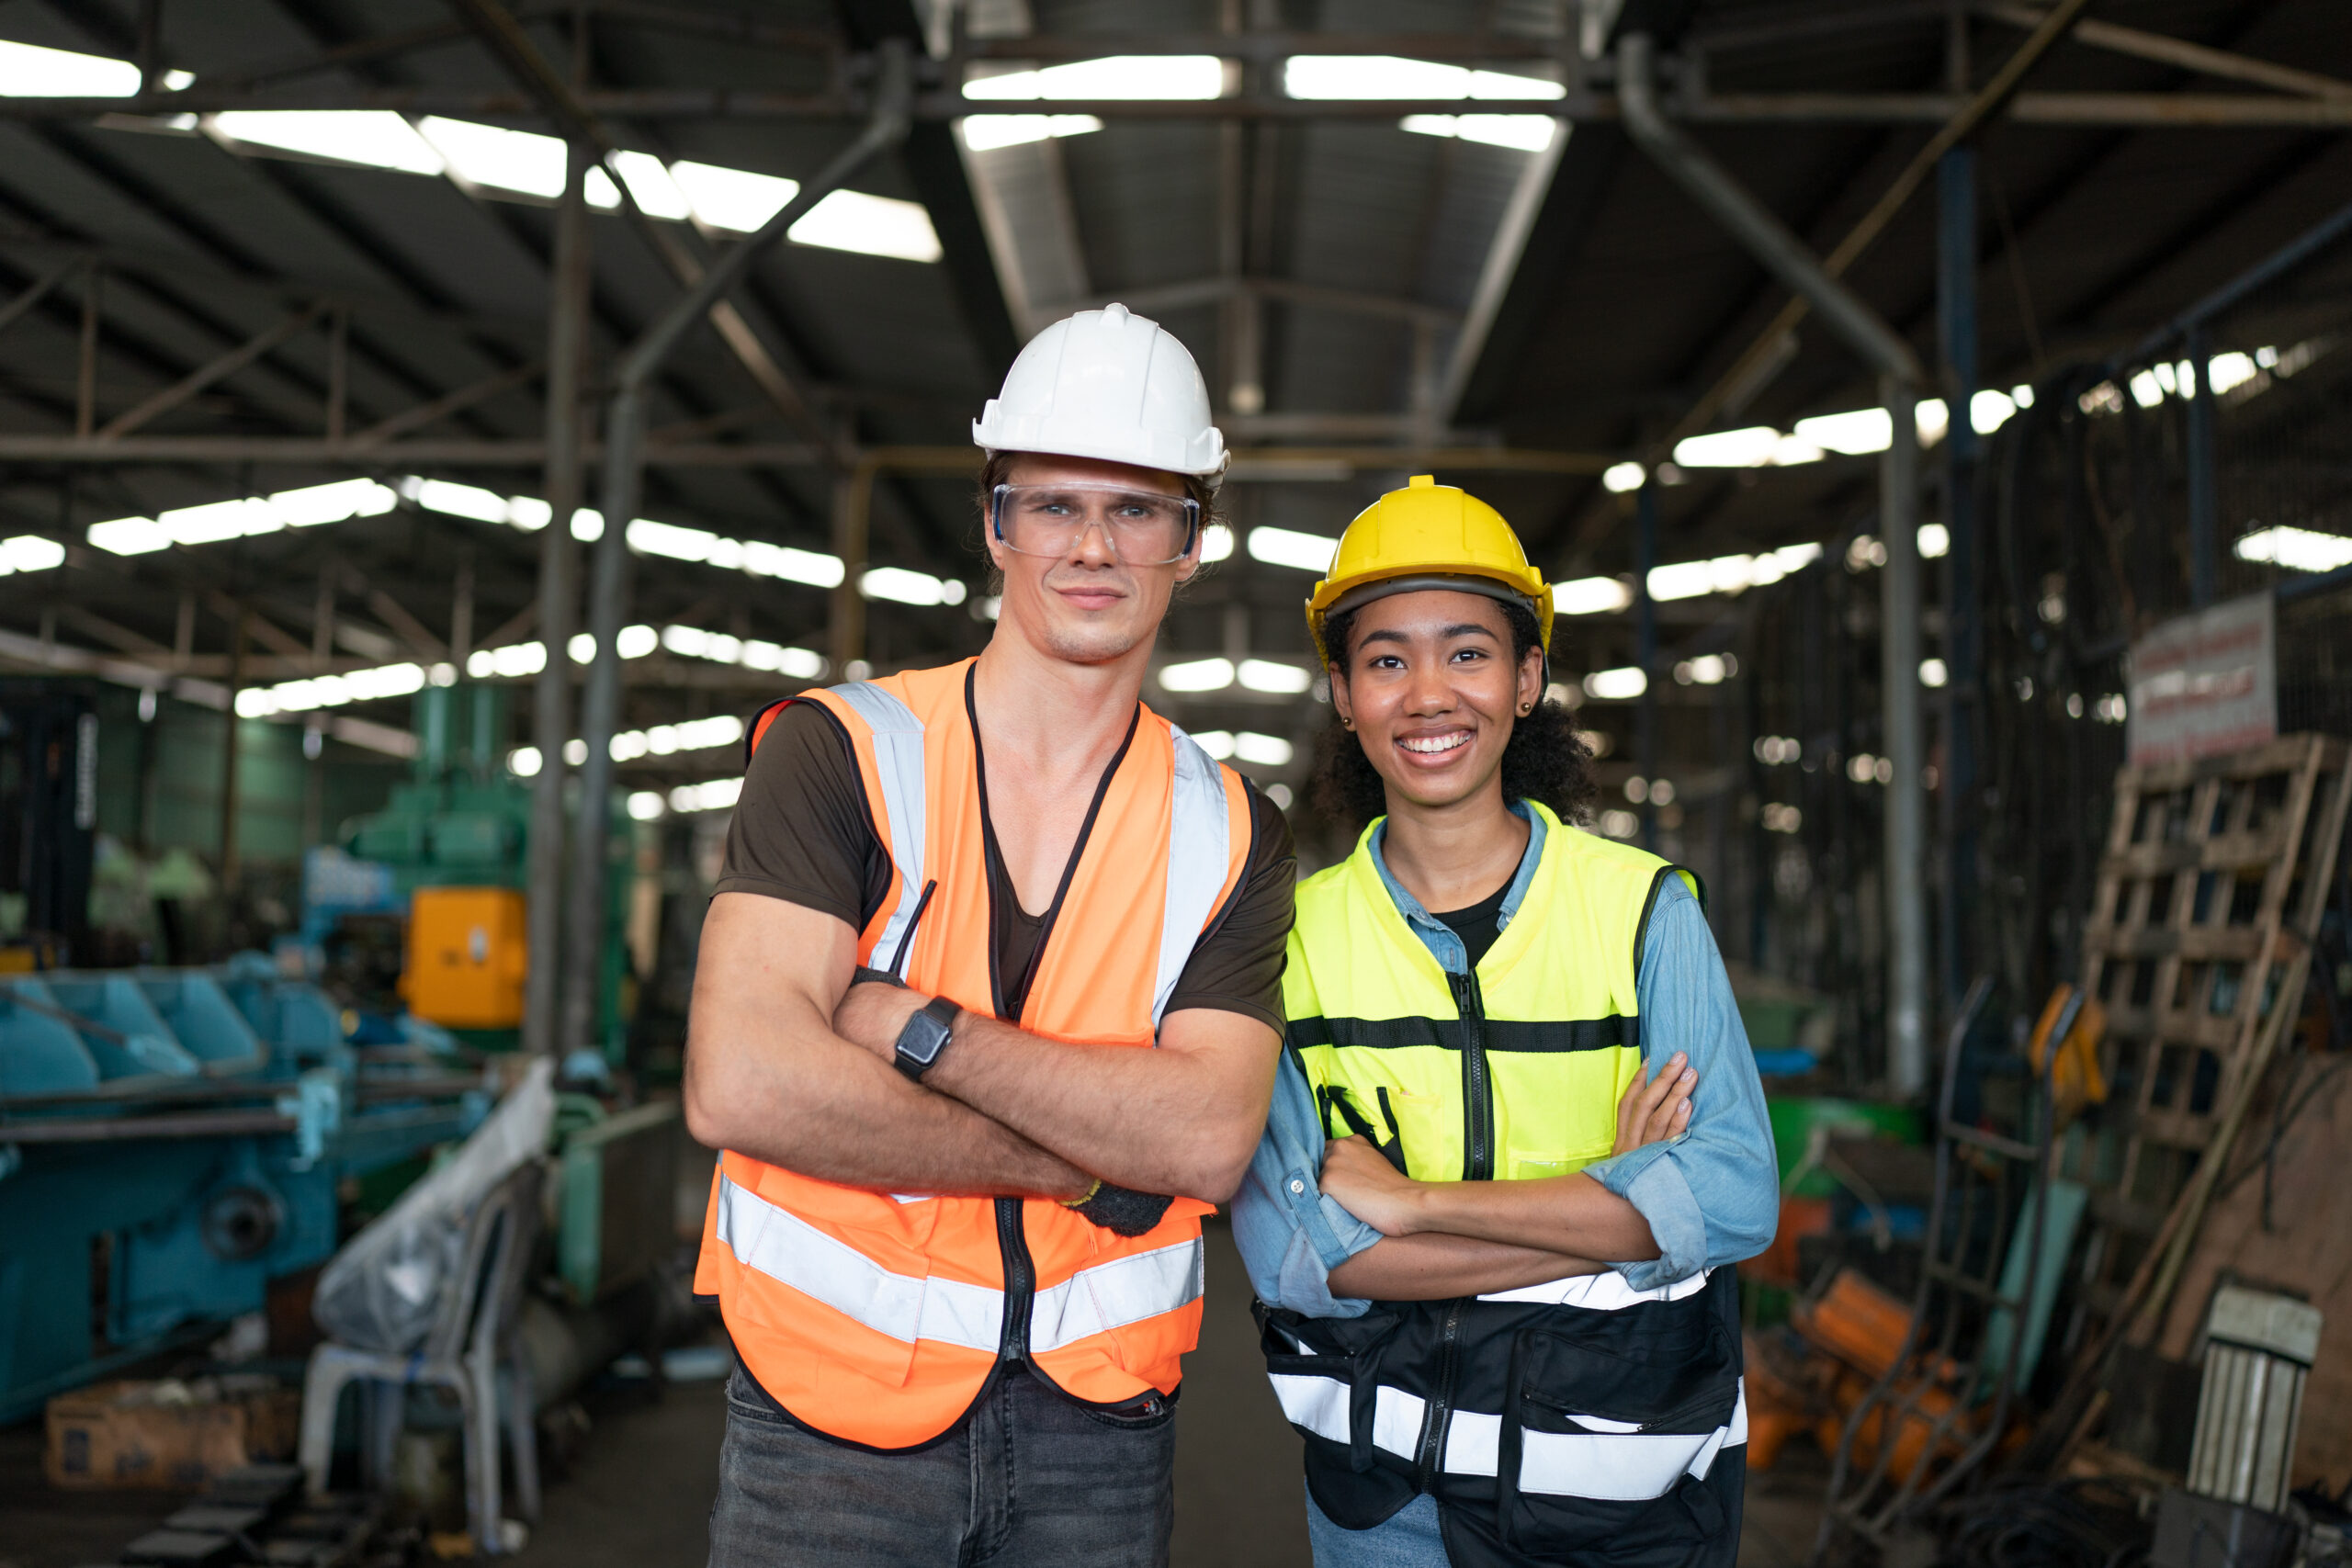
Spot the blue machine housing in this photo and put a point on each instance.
(171, 1141)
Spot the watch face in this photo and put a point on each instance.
(922, 1038)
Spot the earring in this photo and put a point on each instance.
(1527, 707)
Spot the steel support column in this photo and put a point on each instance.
(559, 596)
(1956, 335)
(1646, 649)
(1900, 375)
(1904, 876)
(623, 485)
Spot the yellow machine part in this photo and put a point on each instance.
(467, 957)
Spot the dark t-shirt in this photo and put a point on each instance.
(802, 832)
(1475, 924)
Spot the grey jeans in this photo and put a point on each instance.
(1030, 1477)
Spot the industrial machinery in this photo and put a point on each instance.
(455, 839)
(171, 1141)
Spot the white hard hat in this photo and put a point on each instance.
(1106, 384)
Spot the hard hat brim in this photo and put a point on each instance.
(1330, 600)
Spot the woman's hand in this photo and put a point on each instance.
(1654, 1110)
(1363, 1181)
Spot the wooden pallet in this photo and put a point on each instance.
(2215, 872)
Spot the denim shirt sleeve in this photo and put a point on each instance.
(1711, 1196)
(1290, 1235)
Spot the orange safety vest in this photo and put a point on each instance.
(880, 1318)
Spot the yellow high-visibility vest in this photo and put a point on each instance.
(1510, 1072)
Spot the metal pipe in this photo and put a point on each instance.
(557, 599)
(2204, 494)
(1906, 848)
(1900, 376)
(624, 479)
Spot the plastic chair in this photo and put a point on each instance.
(472, 1341)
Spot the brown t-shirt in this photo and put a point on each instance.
(803, 832)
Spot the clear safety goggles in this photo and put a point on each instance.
(1142, 528)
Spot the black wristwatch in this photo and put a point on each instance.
(925, 1036)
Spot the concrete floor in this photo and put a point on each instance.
(638, 1488)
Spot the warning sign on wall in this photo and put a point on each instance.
(2205, 684)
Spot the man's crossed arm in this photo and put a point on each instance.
(789, 1063)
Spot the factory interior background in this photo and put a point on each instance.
(1934, 416)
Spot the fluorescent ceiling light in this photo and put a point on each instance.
(732, 199)
(1278, 679)
(492, 155)
(1264, 750)
(1197, 675)
(377, 138)
(129, 535)
(316, 504)
(1758, 446)
(1856, 432)
(904, 587)
(870, 225)
(647, 805)
(1362, 77)
(1217, 543)
(1618, 477)
(1935, 541)
(1591, 596)
(718, 795)
(1287, 546)
(220, 520)
(986, 132)
(331, 690)
(1989, 409)
(30, 552)
(2230, 369)
(1521, 132)
(667, 739)
(1616, 685)
(512, 662)
(1121, 76)
(1217, 743)
(800, 663)
(524, 762)
(1729, 574)
(458, 501)
(2298, 549)
(1932, 673)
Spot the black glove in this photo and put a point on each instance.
(1120, 1211)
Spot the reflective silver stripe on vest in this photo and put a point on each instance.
(788, 1249)
(897, 764)
(1199, 844)
(1623, 1465)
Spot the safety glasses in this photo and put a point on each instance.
(1143, 528)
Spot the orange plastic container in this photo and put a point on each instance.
(467, 955)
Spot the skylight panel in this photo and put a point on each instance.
(649, 181)
(1364, 78)
(28, 71)
(732, 199)
(220, 520)
(377, 138)
(986, 132)
(1521, 132)
(871, 225)
(1117, 76)
(1288, 546)
(129, 535)
(492, 155)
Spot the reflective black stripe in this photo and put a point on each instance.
(1445, 1033)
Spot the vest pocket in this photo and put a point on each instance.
(1614, 1425)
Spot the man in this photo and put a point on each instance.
(955, 902)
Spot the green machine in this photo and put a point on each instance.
(456, 838)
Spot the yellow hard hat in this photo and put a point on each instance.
(1427, 535)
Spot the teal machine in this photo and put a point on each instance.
(171, 1142)
(464, 820)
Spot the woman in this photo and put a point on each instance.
(1496, 1304)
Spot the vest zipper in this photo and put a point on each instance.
(1020, 1279)
(1439, 1414)
(1477, 1089)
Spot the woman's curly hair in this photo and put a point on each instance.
(1544, 758)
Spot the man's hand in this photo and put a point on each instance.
(1656, 1108)
(872, 1015)
(1360, 1180)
